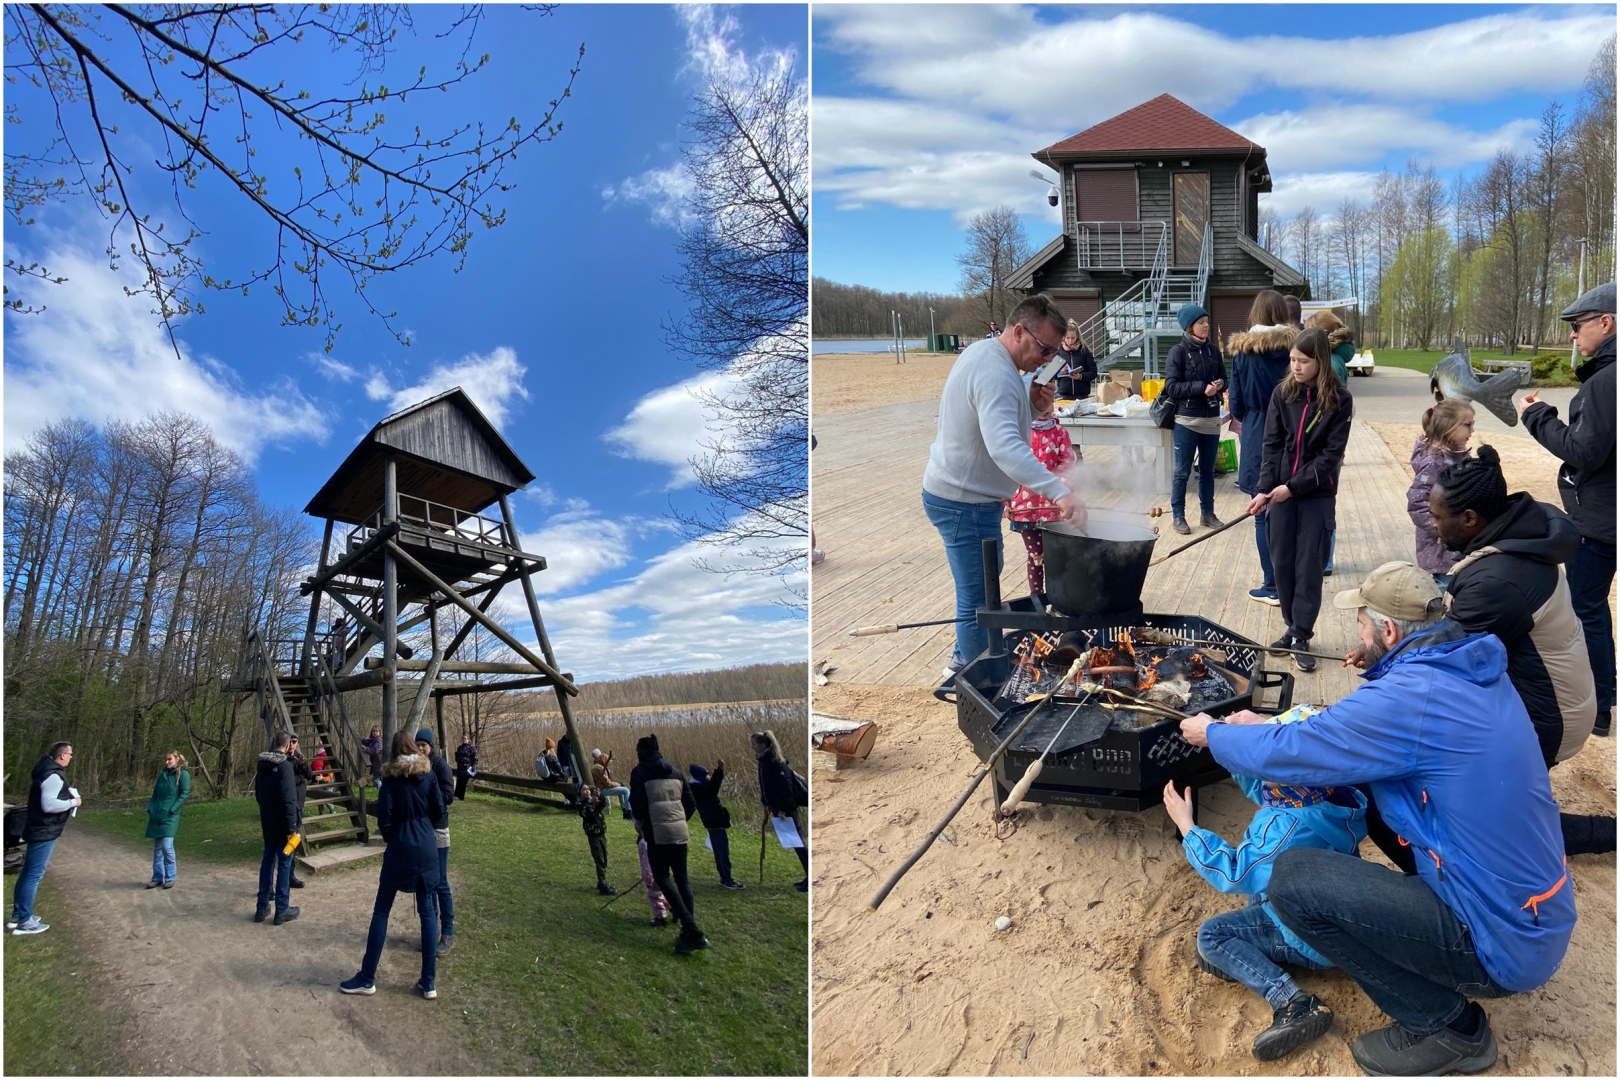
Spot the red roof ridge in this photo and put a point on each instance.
(1165, 123)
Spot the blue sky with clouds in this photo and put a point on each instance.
(923, 116)
(553, 326)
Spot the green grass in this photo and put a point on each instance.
(57, 1024)
(544, 980)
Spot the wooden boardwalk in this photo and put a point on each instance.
(885, 563)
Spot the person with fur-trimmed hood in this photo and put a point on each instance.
(410, 801)
(1259, 359)
(275, 787)
(661, 801)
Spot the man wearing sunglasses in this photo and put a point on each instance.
(1585, 445)
(981, 453)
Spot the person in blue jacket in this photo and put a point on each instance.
(1246, 945)
(1442, 741)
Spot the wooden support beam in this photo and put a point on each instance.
(449, 688)
(419, 706)
(315, 602)
(390, 612)
(369, 623)
(369, 547)
(365, 679)
(460, 667)
(399, 553)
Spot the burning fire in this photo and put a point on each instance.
(1146, 676)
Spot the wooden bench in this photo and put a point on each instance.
(502, 784)
(1494, 366)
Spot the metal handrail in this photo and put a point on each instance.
(1206, 264)
(1128, 242)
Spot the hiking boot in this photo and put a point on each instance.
(1601, 725)
(660, 922)
(446, 943)
(426, 989)
(732, 885)
(261, 914)
(358, 985)
(34, 926)
(1210, 521)
(295, 883)
(1305, 663)
(153, 884)
(1263, 595)
(604, 889)
(685, 946)
(1210, 969)
(286, 916)
(1281, 646)
(1302, 1019)
(1394, 1051)
(1179, 524)
(802, 886)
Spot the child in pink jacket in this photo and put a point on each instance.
(1026, 510)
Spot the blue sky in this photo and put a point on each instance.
(923, 116)
(553, 326)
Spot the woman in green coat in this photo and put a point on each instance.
(169, 794)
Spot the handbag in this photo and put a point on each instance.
(1163, 411)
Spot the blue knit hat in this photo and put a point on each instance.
(1189, 314)
(425, 735)
(699, 773)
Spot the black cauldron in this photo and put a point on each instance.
(1101, 570)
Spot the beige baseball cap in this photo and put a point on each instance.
(1397, 589)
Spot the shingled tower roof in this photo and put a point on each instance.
(1162, 125)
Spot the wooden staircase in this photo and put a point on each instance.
(334, 810)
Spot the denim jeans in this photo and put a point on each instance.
(1388, 931)
(1187, 442)
(275, 870)
(622, 794)
(722, 852)
(962, 526)
(1251, 444)
(163, 858)
(1591, 572)
(1248, 945)
(377, 936)
(35, 860)
(441, 894)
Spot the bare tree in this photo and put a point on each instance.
(346, 193)
(996, 247)
(745, 248)
(1592, 137)
(1546, 183)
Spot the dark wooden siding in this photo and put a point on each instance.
(1229, 313)
(1105, 194)
(1076, 306)
(446, 435)
(1063, 271)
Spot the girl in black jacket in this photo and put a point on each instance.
(1079, 366)
(407, 806)
(778, 791)
(1307, 427)
(1194, 378)
(715, 817)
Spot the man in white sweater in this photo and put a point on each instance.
(981, 453)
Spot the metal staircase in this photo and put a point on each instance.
(1140, 323)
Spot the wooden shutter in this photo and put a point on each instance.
(1105, 194)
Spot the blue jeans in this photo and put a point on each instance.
(1388, 931)
(163, 858)
(441, 894)
(1188, 442)
(275, 869)
(1248, 945)
(722, 852)
(426, 910)
(1591, 572)
(1251, 444)
(962, 526)
(35, 860)
(623, 795)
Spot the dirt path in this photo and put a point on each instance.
(216, 994)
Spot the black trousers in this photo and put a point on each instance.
(461, 786)
(668, 862)
(722, 852)
(1298, 532)
(599, 856)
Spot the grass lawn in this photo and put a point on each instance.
(56, 1024)
(547, 981)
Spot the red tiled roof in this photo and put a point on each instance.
(1163, 124)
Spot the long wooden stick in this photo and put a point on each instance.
(763, 825)
(1236, 645)
(978, 778)
(1200, 540)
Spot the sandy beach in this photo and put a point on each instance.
(1096, 975)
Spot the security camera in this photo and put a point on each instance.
(1052, 196)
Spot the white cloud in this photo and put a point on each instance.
(492, 381)
(335, 370)
(99, 354)
(1334, 136)
(669, 427)
(577, 545)
(662, 191)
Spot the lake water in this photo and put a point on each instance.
(863, 345)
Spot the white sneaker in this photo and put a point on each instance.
(32, 926)
(11, 924)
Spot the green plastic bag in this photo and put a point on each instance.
(1226, 460)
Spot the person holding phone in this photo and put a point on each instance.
(1195, 378)
(1079, 366)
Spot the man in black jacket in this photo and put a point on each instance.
(303, 776)
(50, 803)
(441, 836)
(1586, 479)
(275, 786)
(661, 801)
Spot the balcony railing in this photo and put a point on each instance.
(459, 524)
(1119, 245)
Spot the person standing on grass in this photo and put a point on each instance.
(1307, 429)
(275, 788)
(372, 747)
(441, 838)
(1259, 363)
(1195, 379)
(1585, 445)
(981, 454)
(591, 808)
(50, 803)
(602, 780)
(169, 794)
(782, 792)
(410, 801)
(662, 801)
(649, 884)
(715, 817)
(466, 765)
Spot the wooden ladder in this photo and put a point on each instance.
(333, 810)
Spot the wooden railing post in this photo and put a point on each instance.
(390, 612)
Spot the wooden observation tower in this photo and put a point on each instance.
(416, 540)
